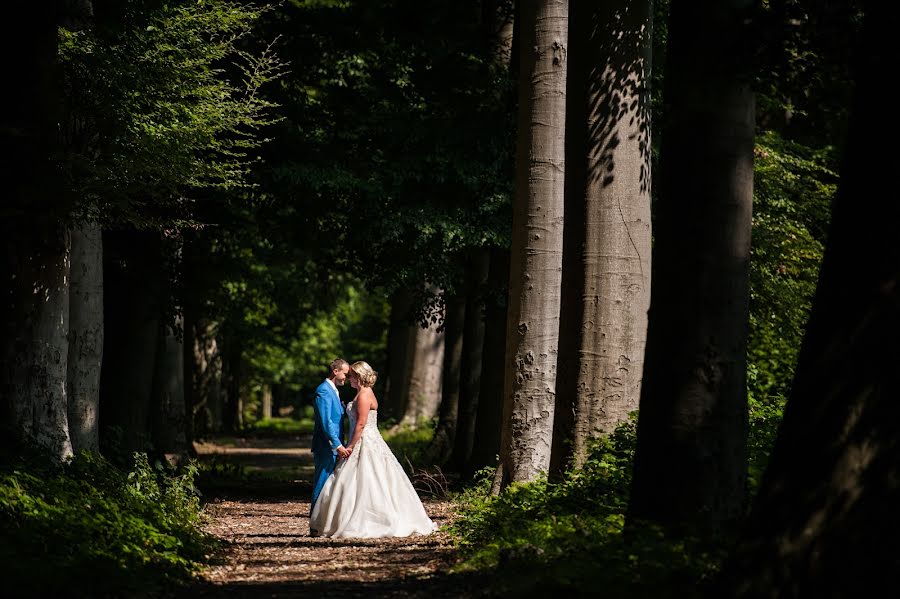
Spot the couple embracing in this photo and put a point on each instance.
(360, 490)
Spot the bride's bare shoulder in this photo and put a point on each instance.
(369, 394)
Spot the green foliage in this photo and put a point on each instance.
(89, 529)
(765, 418)
(570, 536)
(162, 103)
(410, 443)
(793, 190)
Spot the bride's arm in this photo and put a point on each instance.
(362, 406)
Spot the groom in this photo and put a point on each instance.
(327, 437)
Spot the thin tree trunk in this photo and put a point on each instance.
(470, 368)
(448, 414)
(425, 377)
(401, 344)
(233, 403)
(690, 464)
(536, 255)
(825, 521)
(85, 336)
(208, 359)
(169, 422)
(132, 313)
(490, 395)
(265, 410)
(606, 274)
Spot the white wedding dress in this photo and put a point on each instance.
(369, 494)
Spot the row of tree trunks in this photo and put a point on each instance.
(606, 263)
(488, 422)
(536, 253)
(471, 363)
(690, 463)
(448, 413)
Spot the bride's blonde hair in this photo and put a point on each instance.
(367, 376)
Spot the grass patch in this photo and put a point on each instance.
(410, 444)
(290, 426)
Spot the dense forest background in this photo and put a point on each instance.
(580, 243)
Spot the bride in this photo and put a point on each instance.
(369, 494)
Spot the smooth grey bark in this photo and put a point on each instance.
(536, 254)
(169, 418)
(424, 395)
(472, 357)
(448, 413)
(606, 258)
(829, 496)
(37, 352)
(690, 462)
(85, 336)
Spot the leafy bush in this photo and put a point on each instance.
(89, 529)
(571, 536)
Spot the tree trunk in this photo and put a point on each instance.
(85, 336)
(470, 368)
(169, 414)
(830, 494)
(401, 343)
(207, 379)
(536, 255)
(606, 273)
(35, 273)
(37, 348)
(425, 377)
(233, 414)
(490, 394)
(132, 312)
(690, 464)
(445, 432)
(265, 406)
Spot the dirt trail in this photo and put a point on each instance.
(268, 552)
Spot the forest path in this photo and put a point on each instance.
(262, 518)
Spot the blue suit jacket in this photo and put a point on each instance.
(328, 411)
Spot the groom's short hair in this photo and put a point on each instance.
(336, 364)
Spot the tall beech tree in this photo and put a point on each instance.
(536, 252)
(35, 277)
(824, 523)
(690, 462)
(606, 258)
